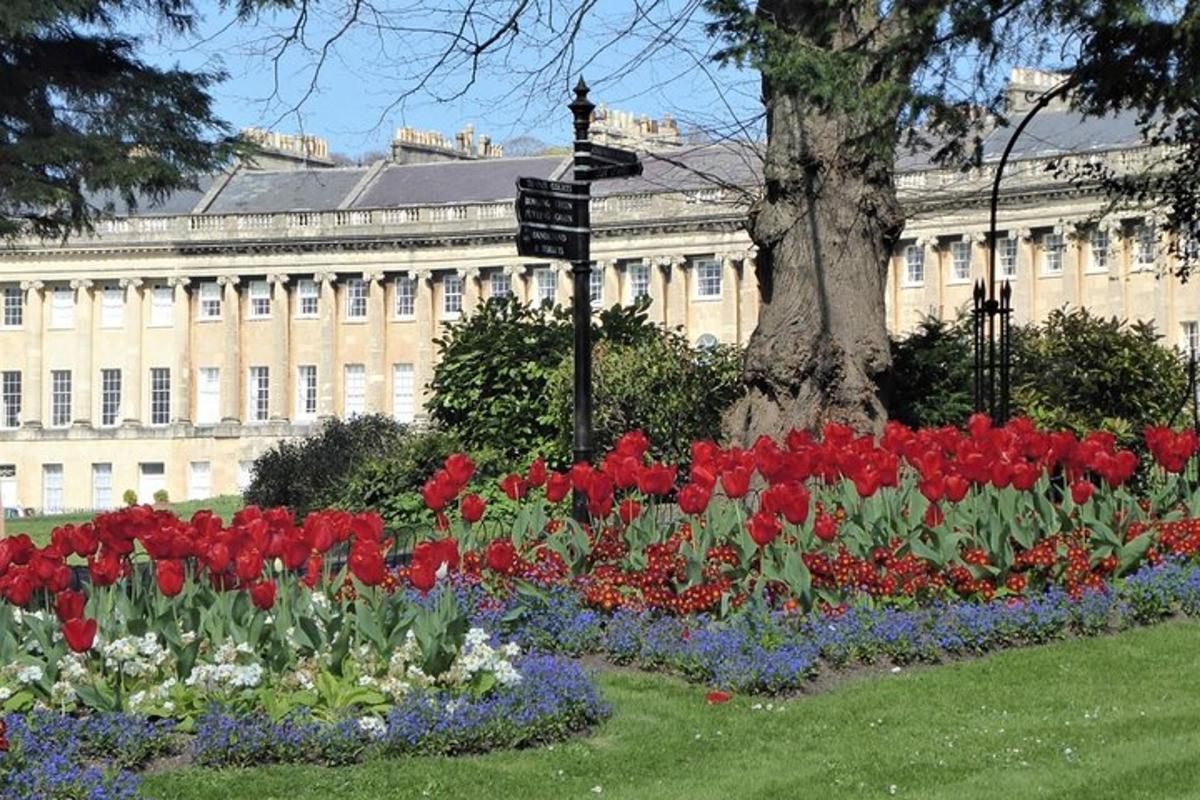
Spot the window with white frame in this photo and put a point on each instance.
(260, 300)
(306, 391)
(639, 280)
(199, 480)
(60, 397)
(1006, 254)
(452, 295)
(354, 387)
(161, 303)
(308, 298)
(10, 398)
(208, 395)
(112, 307)
(914, 265)
(1189, 242)
(356, 299)
(960, 261)
(403, 393)
(708, 277)
(596, 285)
(1190, 338)
(210, 300)
(14, 306)
(1145, 247)
(52, 488)
(1052, 253)
(500, 284)
(546, 283)
(245, 474)
(160, 395)
(258, 394)
(1098, 244)
(102, 482)
(406, 298)
(62, 307)
(110, 397)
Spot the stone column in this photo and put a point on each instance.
(326, 379)
(517, 279)
(729, 299)
(377, 370)
(181, 388)
(31, 382)
(471, 291)
(423, 368)
(1024, 299)
(660, 283)
(564, 283)
(1073, 241)
(610, 294)
(231, 364)
(279, 377)
(748, 299)
(677, 289)
(131, 372)
(81, 380)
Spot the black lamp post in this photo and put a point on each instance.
(581, 304)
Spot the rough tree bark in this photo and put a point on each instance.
(824, 228)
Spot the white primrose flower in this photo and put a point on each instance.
(372, 726)
(30, 674)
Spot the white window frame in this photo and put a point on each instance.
(404, 304)
(1007, 257)
(500, 284)
(210, 301)
(545, 285)
(960, 262)
(709, 281)
(914, 265)
(259, 300)
(11, 386)
(306, 392)
(1099, 250)
(354, 390)
(112, 307)
(198, 490)
(14, 308)
(637, 272)
(596, 285)
(1189, 338)
(208, 395)
(307, 292)
(110, 397)
(162, 306)
(452, 301)
(357, 291)
(404, 394)
(1145, 247)
(60, 398)
(52, 489)
(102, 486)
(258, 394)
(160, 396)
(1054, 246)
(62, 307)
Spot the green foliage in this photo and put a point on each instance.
(129, 497)
(88, 125)
(673, 392)
(1084, 372)
(390, 482)
(499, 382)
(312, 473)
(931, 374)
(161, 496)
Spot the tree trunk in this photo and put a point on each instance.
(824, 229)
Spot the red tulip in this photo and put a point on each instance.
(19, 588)
(956, 488)
(735, 482)
(248, 564)
(557, 487)
(460, 468)
(472, 508)
(501, 555)
(104, 570)
(933, 487)
(934, 515)
(825, 527)
(693, 498)
(1081, 491)
(312, 572)
(80, 634)
(514, 486)
(657, 479)
(262, 594)
(69, 605)
(169, 574)
(422, 575)
(367, 564)
(763, 527)
(537, 473)
(629, 510)
(634, 444)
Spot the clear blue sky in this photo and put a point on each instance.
(364, 74)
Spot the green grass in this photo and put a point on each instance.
(1115, 717)
(39, 528)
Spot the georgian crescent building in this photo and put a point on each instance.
(179, 341)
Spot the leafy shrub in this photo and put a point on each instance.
(492, 386)
(129, 497)
(311, 473)
(931, 374)
(161, 496)
(673, 392)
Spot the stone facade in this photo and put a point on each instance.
(172, 347)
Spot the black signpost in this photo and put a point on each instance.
(554, 221)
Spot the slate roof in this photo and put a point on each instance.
(264, 191)
(180, 202)
(455, 181)
(698, 167)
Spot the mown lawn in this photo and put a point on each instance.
(1115, 717)
(39, 528)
